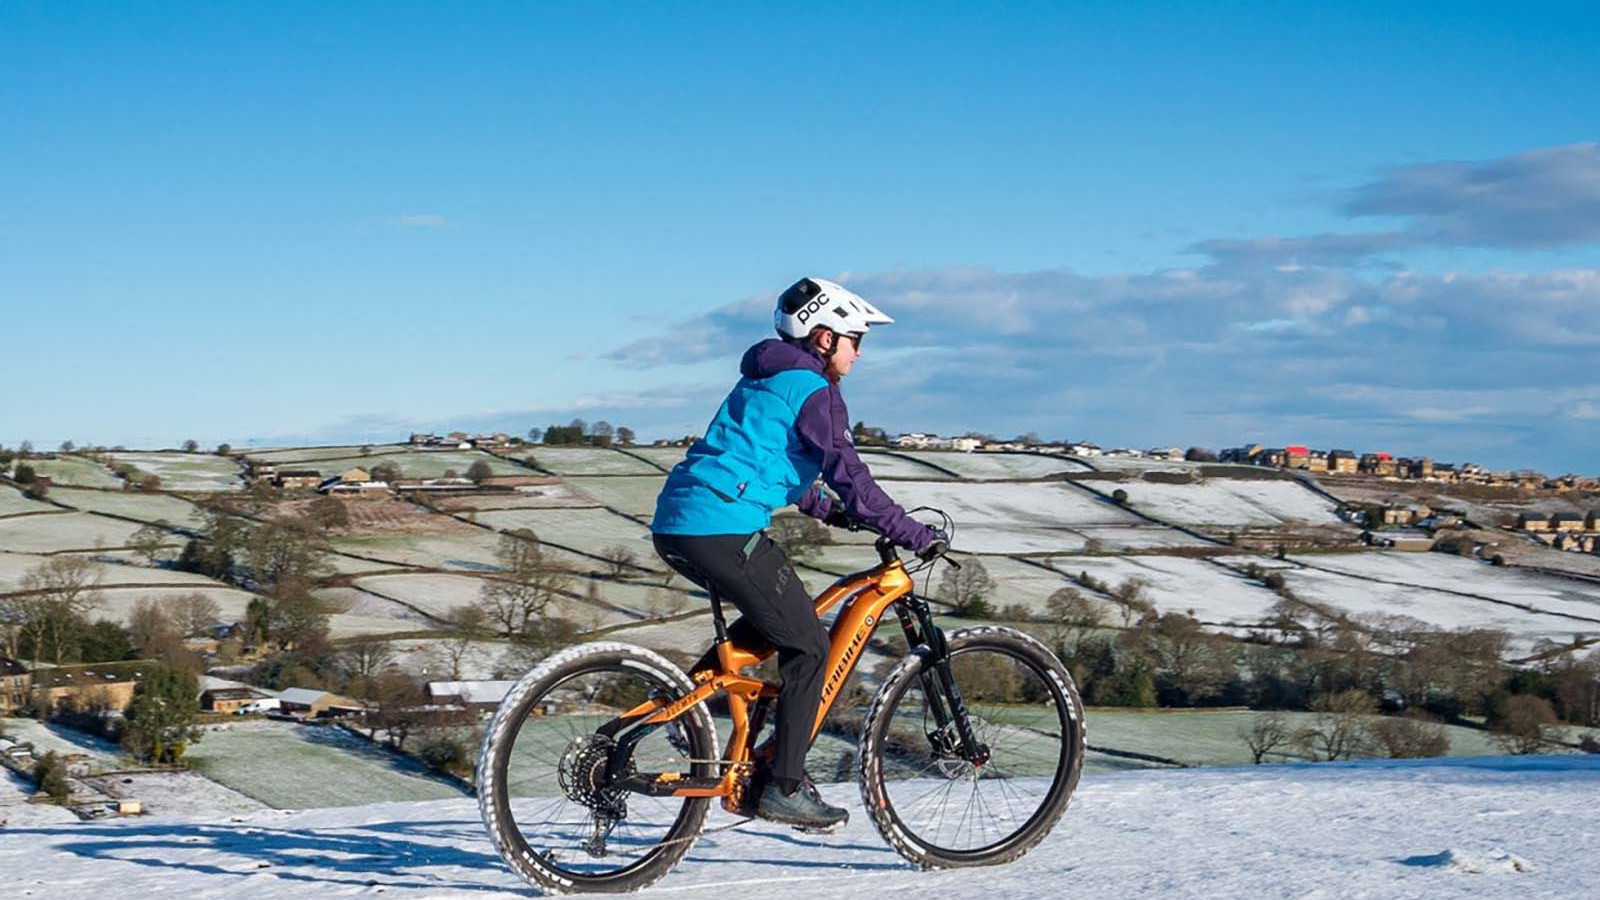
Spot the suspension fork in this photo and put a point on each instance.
(927, 641)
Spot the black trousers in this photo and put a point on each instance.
(775, 611)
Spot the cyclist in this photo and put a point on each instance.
(783, 424)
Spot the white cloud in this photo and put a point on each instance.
(423, 220)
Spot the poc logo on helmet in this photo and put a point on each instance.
(807, 311)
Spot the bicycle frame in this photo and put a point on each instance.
(866, 596)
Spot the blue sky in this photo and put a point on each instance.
(1367, 228)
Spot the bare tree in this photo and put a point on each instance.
(365, 659)
(52, 598)
(968, 588)
(1412, 736)
(195, 613)
(328, 513)
(1266, 733)
(1339, 729)
(148, 541)
(286, 549)
(1130, 595)
(1520, 729)
(517, 597)
(468, 623)
(1073, 616)
(619, 560)
(147, 623)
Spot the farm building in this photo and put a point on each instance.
(15, 683)
(102, 684)
(1566, 521)
(479, 696)
(313, 704)
(228, 700)
(299, 479)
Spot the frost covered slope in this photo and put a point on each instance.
(1483, 828)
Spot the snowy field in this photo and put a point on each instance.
(290, 766)
(665, 457)
(1489, 829)
(1534, 590)
(75, 470)
(1013, 518)
(415, 463)
(187, 471)
(143, 507)
(46, 737)
(1114, 539)
(472, 551)
(13, 503)
(69, 531)
(1178, 584)
(554, 494)
(107, 567)
(592, 530)
(898, 465)
(997, 465)
(1223, 502)
(170, 794)
(118, 603)
(287, 455)
(590, 461)
(1355, 595)
(437, 594)
(634, 494)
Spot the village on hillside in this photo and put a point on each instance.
(227, 621)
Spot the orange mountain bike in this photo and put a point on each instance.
(600, 765)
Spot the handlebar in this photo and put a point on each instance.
(887, 549)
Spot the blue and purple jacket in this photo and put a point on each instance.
(783, 425)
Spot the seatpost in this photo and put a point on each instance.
(716, 615)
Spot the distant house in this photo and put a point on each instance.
(1407, 514)
(313, 704)
(228, 700)
(299, 479)
(1342, 462)
(1566, 521)
(15, 683)
(1591, 522)
(1277, 457)
(1296, 456)
(1533, 522)
(109, 685)
(479, 696)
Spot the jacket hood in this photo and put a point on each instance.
(772, 356)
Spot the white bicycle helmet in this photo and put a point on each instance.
(813, 303)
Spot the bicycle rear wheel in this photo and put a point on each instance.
(933, 806)
(553, 814)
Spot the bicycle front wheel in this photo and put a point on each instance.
(554, 814)
(929, 802)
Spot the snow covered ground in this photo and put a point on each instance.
(68, 531)
(187, 471)
(1492, 827)
(1226, 502)
(590, 461)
